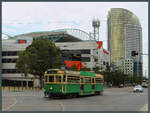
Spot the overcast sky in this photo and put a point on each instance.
(24, 17)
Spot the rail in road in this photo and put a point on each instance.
(114, 99)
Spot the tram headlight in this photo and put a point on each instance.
(51, 88)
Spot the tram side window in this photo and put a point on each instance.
(92, 80)
(82, 80)
(76, 79)
(69, 79)
(87, 80)
(51, 78)
(73, 79)
(58, 78)
(99, 80)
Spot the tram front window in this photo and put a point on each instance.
(58, 78)
(64, 78)
(51, 78)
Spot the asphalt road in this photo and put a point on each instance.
(114, 99)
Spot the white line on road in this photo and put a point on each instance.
(7, 108)
(62, 106)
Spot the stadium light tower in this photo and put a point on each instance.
(96, 25)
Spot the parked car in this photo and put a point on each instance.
(138, 88)
(145, 85)
(121, 86)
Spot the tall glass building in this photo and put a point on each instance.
(124, 36)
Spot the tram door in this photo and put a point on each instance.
(81, 84)
(93, 85)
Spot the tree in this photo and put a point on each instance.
(41, 55)
(85, 69)
(96, 69)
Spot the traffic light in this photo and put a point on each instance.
(134, 53)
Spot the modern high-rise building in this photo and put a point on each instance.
(124, 36)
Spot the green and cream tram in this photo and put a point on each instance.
(72, 83)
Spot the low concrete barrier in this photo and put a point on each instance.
(11, 88)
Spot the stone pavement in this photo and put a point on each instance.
(144, 108)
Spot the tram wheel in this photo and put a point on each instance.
(101, 93)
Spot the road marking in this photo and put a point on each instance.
(7, 108)
(62, 106)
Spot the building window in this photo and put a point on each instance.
(9, 60)
(86, 51)
(5, 71)
(85, 59)
(9, 53)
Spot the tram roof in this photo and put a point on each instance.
(99, 75)
(86, 73)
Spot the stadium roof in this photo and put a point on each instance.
(60, 35)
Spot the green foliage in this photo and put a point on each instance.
(85, 69)
(43, 55)
(96, 69)
(137, 79)
(117, 77)
(38, 57)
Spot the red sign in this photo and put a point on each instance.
(22, 41)
(100, 43)
(78, 64)
(105, 51)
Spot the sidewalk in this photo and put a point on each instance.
(19, 88)
(144, 108)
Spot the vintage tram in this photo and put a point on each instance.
(72, 83)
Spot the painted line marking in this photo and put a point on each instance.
(7, 108)
(62, 106)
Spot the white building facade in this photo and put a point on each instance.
(92, 54)
(126, 66)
